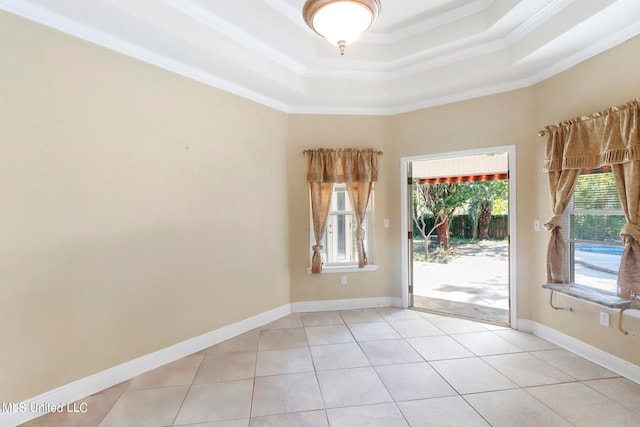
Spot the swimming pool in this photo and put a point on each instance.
(611, 250)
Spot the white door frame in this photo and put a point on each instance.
(405, 225)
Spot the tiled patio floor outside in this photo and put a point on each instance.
(373, 367)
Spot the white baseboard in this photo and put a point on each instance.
(345, 304)
(602, 358)
(102, 380)
(87, 386)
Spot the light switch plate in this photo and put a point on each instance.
(604, 318)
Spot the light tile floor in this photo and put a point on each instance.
(376, 367)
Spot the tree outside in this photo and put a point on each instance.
(438, 200)
(484, 199)
(434, 205)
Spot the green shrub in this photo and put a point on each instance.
(440, 255)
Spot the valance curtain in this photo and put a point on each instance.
(611, 137)
(325, 167)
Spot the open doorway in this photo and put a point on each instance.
(459, 216)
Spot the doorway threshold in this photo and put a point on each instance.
(476, 312)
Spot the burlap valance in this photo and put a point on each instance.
(605, 138)
(611, 137)
(325, 167)
(342, 165)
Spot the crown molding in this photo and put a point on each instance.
(291, 101)
(50, 19)
(543, 15)
(590, 51)
(402, 68)
(294, 15)
(214, 22)
(461, 96)
(477, 6)
(443, 19)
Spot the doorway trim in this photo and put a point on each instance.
(405, 224)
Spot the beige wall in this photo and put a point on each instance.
(312, 131)
(498, 120)
(492, 121)
(139, 209)
(608, 79)
(133, 200)
(511, 118)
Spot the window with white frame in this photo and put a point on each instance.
(592, 223)
(339, 240)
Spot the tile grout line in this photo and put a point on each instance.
(253, 381)
(404, 416)
(444, 379)
(378, 374)
(315, 372)
(544, 404)
(115, 401)
(476, 356)
(195, 375)
(388, 321)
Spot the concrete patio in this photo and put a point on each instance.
(476, 282)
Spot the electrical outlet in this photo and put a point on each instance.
(343, 280)
(536, 225)
(604, 318)
(386, 223)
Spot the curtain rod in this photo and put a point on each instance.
(592, 116)
(338, 149)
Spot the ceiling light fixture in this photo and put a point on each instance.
(341, 22)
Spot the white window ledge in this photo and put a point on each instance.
(596, 296)
(633, 313)
(345, 269)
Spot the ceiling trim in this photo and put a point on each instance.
(218, 24)
(371, 36)
(403, 70)
(578, 57)
(429, 24)
(294, 15)
(601, 46)
(536, 20)
(451, 58)
(461, 96)
(50, 19)
(422, 65)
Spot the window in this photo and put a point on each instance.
(339, 240)
(593, 221)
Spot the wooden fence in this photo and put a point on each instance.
(462, 226)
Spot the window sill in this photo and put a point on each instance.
(345, 269)
(595, 296)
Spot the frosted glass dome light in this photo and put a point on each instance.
(341, 22)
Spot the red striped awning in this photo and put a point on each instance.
(466, 178)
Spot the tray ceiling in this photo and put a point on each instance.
(420, 53)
